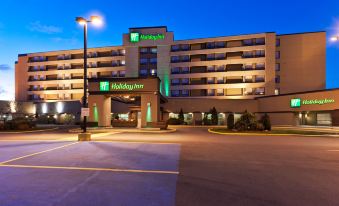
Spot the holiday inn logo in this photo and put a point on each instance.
(135, 37)
(104, 86)
(295, 103)
(113, 86)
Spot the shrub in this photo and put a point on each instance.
(214, 116)
(265, 120)
(19, 123)
(230, 121)
(181, 116)
(173, 121)
(260, 127)
(247, 121)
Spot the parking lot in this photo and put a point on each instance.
(87, 173)
(188, 167)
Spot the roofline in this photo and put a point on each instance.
(309, 32)
(305, 92)
(19, 55)
(247, 34)
(149, 27)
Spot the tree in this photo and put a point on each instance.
(214, 116)
(247, 121)
(181, 116)
(265, 120)
(230, 121)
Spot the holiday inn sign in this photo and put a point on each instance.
(297, 102)
(137, 37)
(113, 86)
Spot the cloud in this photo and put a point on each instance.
(5, 67)
(70, 41)
(2, 91)
(48, 29)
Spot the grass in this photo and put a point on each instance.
(281, 131)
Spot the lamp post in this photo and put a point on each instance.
(96, 20)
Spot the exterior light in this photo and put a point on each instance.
(334, 38)
(59, 107)
(96, 20)
(44, 108)
(81, 20)
(55, 116)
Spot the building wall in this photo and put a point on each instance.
(302, 62)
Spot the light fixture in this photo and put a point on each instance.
(334, 38)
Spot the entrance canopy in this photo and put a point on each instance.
(145, 90)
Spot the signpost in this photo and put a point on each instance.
(84, 112)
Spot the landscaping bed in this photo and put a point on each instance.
(280, 131)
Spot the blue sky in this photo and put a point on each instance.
(40, 25)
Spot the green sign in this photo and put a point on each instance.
(104, 86)
(297, 102)
(135, 37)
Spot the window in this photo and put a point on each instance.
(175, 81)
(210, 68)
(221, 68)
(248, 67)
(260, 41)
(248, 79)
(220, 80)
(115, 53)
(115, 74)
(153, 60)
(154, 50)
(143, 72)
(175, 48)
(259, 91)
(122, 52)
(277, 43)
(260, 66)
(210, 80)
(185, 81)
(248, 54)
(220, 44)
(185, 70)
(260, 78)
(175, 59)
(220, 92)
(248, 91)
(114, 63)
(210, 45)
(185, 93)
(211, 92)
(260, 53)
(143, 50)
(122, 73)
(175, 70)
(277, 67)
(247, 42)
(210, 56)
(143, 61)
(220, 56)
(122, 62)
(277, 54)
(277, 79)
(174, 93)
(277, 91)
(185, 58)
(185, 47)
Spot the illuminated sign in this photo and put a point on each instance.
(298, 102)
(105, 86)
(135, 37)
(295, 103)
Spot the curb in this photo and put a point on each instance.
(30, 131)
(128, 131)
(263, 134)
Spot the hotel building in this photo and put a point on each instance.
(231, 73)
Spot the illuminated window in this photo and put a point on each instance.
(175, 70)
(185, 93)
(185, 70)
(175, 93)
(277, 91)
(185, 81)
(154, 50)
(175, 81)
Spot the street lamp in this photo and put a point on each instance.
(334, 38)
(96, 20)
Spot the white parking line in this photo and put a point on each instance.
(93, 169)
